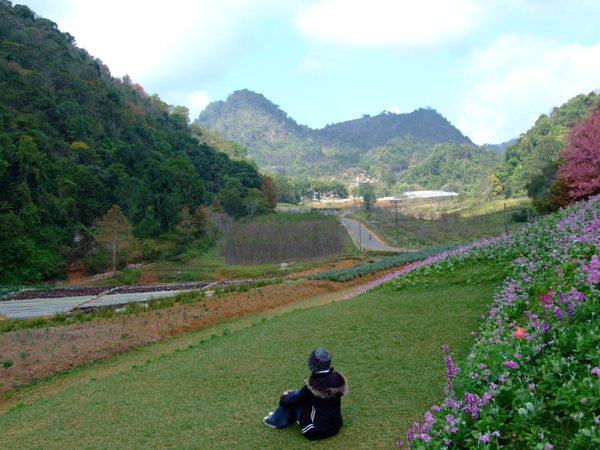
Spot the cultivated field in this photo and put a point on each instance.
(423, 223)
(284, 237)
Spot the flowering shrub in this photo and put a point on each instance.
(532, 379)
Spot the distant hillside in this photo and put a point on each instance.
(424, 125)
(219, 142)
(271, 137)
(277, 142)
(502, 146)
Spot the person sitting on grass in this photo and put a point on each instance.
(316, 407)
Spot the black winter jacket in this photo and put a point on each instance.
(320, 400)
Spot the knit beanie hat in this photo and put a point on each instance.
(319, 360)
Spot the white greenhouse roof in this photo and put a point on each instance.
(428, 194)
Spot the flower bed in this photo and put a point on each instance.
(532, 379)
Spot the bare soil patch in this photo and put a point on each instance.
(343, 264)
(38, 353)
(149, 277)
(77, 276)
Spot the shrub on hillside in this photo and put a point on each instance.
(98, 261)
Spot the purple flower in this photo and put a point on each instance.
(558, 313)
(596, 371)
(487, 437)
(472, 404)
(451, 370)
(511, 364)
(487, 397)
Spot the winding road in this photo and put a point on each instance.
(367, 239)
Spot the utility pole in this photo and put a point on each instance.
(397, 236)
(360, 236)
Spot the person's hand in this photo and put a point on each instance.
(286, 392)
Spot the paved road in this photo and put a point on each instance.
(361, 235)
(44, 307)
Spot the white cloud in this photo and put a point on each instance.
(148, 39)
(170, 48)
(196, 102)
(388, 22)
(517, 78)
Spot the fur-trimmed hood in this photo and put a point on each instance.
(327, 385)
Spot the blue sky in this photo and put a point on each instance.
(491, 67)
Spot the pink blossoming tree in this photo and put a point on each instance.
(580, 171)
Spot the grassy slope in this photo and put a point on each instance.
(214, 394)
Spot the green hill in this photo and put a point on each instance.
(279, 144)
(531, 163)
(74, 140)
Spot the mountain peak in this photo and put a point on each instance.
(274, 139)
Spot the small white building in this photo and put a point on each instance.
(418, 195)
(428, 194)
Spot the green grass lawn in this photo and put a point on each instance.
(214, 393)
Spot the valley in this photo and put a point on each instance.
(167, 265)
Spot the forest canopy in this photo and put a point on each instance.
(74, 141)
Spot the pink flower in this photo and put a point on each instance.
(547, 299)
(520, 332)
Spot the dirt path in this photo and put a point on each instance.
(38, 353)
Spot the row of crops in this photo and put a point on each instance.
(386, 263)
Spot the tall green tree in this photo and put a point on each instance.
(29, 158)
(149, 226)
(186, 226)
(116, 234)
(367, 192)
(255, 202)
(269, 189)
